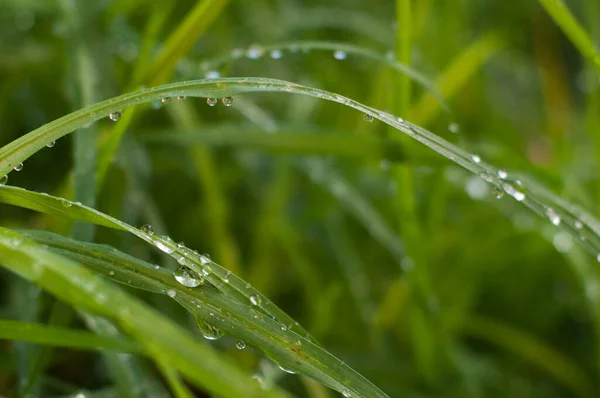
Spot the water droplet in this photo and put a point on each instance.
(156, 266)
(18, 167)
(276, 54)
(164, 100)
(578, 225)
(255, 299)
(476, 158)
(227, 101)
(399, 119)
(498, 192)
(340, 55)
(212, 74)
(115, 116)
(454, 127)
(502, 173)
(187, 277)
(240, 345)
(4, 180)
(346, 393)
(171, 293)
(367, 117)
(111, 273)
(255, 52)
(514, 192)
(552, 216)
(209, 331)
(181, 97)
(212, 101)
(50, 145)
(147, 229)
(66, 203)
(598, 257)
(205, 259)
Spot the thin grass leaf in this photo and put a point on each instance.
(62, 337)
(158, 336)
(218, 313)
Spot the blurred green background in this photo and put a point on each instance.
(400, 263)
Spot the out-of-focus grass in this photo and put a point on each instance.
(398, 262)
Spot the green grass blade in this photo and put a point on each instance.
(62, 337)
(289, 349)
(158, 336)
(559, 12)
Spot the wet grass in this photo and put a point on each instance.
(398, 205)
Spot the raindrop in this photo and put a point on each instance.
(399, 119)
(209, 332)
(164, 100)
(255, 299)
(187, 277)
(18, 167)
(498, 192)
(286, 370)
(552, 216)
(367, 117)
(476, 158)
(167, 249)
(346, 393)
(255, 52)
(598, 257)
(4, 180)
(514, 192)
(212, 101)
(502, 173)
(115, 116)
(171, 293)
(227, 101)
(181, 97)
(454, 127)
(212, 74)
(340, 55)
(205, 258)
(240, 345)
(147, 229)
(578, 225)
(50, 145)
(276, 54)
(111, 273)
(66, 203)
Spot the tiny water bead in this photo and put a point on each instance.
(181, 97)
(115, 116)
(66, 203)
(212, 74)
(205, 259)
(367, 117)
(475, 158)
(18, 167)
(339, 55)
(578, 225)
(211, 101)
(255, 52)
(498, 192)
(171, 293)
(187, 277)
(276, 54)
(255, 299)
(50, 145)
(502, 173)
(240, 345)
(514, 191)
(147, 229)
(4, 180)
(227, 101)
(454, 127)
(552, 216)
(209, 331)
(346, 393)
(164, 100)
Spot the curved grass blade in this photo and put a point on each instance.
(275, 51)
(63, 337)
(20, 149)
(220, 277)
(291, 350)
(158, 336)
